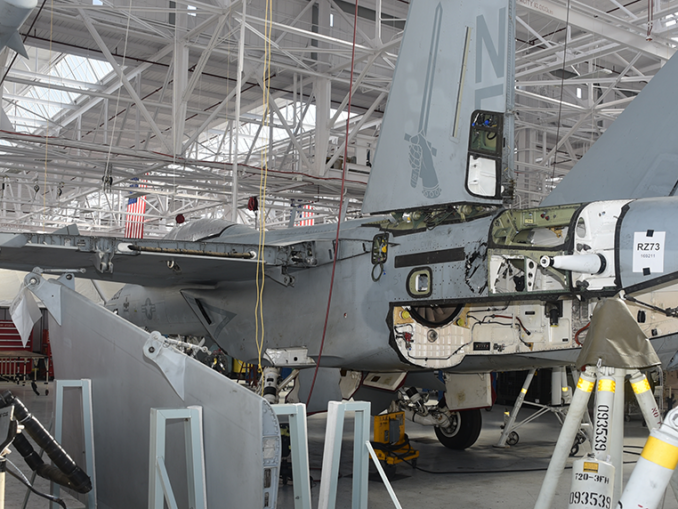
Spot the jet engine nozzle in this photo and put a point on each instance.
(586, 263)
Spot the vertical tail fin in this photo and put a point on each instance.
(445, 133)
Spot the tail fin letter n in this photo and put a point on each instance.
(496, 54)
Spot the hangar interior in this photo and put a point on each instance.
(144, 95)
(130, 118)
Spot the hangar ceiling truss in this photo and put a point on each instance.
(125, 99)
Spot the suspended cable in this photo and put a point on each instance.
(117, 101)
(341, 206)
(16, 55)
(49, 99)
(562, 87)
(263, 178)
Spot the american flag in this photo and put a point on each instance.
(134, 221)
(307, 212)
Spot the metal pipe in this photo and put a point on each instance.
(245, 256)
(431, 419)
(565, 440)
(516, 408)
(602, 416)
(557, 386)
(241, 58)
(655, 466)
(616, 448)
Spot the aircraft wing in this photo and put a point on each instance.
(637, 156)
(147, 262)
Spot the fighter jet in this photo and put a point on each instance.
(439, 284)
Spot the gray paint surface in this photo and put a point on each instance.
(637, 156)
(654, 215)
(96, 344)
(421, 157)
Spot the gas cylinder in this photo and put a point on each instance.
(592, 483)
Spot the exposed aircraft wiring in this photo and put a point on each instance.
(576, 335)
(520, 322)
(487, 320)
(263, 179)
(342, 200)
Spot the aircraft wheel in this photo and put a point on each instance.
(463, 431)
(513, 438)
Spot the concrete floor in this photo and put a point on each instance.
(466, 486)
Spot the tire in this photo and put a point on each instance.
(465, 429)
(513, 438)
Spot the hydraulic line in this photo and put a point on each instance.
(341, 205)
(65, 471)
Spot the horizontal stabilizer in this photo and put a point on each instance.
(637, 156)
(444, 135)
(156, 263)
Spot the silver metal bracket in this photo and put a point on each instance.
(280, 275)
(104, 250)
(49, 292)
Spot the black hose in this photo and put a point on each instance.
(22, 479)
(66, 472)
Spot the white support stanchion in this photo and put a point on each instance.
(361, 456)
(557, 385)
(383, 476)
(299, 445)
(508, 425)
(567, 435)
(336, 412)
(602, 414)
(85, 385)
(655, 467)
(651, 414)
(646, 402)
(159, 486)
(616, 449)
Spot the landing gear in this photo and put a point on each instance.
(513, 438)
(463, 430)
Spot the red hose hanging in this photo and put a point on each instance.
(341, 204)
